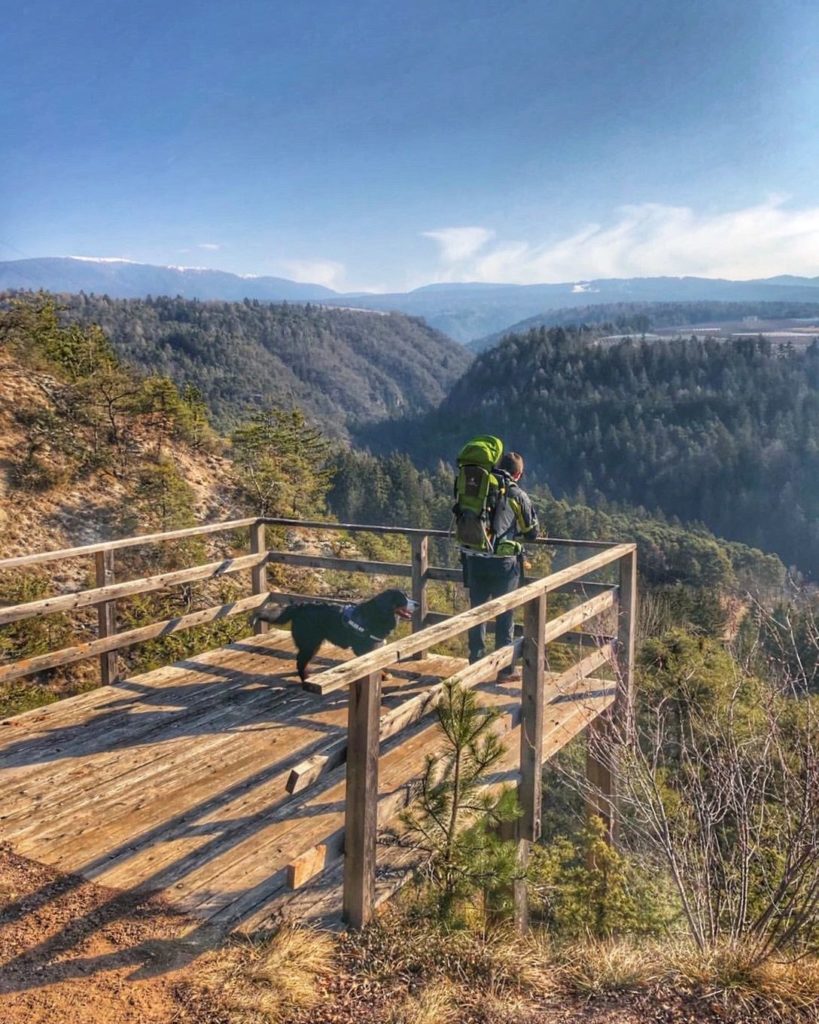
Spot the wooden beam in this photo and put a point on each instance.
(342, 564)
(307, 772)
(315, 524)
(67, 656)
(288, 597)
(600, 778)
(626, 634)
(420, 568)
(85, 598)
(342, 675)
(532, 709)
(569, 678)
(584, 587)
(587, 639)
(606, 733)
(19, 561)
(258, 574)
(441, 574)
(577, 616)
(361, 800)
(106, 615)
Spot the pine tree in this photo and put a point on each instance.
(456, 817)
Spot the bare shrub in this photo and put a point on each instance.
(720, 784)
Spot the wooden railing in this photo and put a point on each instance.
(362, 675)
(107, 591)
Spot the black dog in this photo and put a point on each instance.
(360, 626)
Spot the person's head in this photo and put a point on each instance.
(512, 463)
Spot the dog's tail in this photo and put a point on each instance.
(275, 615)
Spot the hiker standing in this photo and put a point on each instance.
(491, 554)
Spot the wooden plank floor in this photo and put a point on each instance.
(174, 781)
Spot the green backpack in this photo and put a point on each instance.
(478, 492)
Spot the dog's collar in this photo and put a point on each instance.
(347, 613)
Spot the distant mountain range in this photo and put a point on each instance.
(463, 311)
(123, 279)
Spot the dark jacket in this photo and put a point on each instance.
(515, 516)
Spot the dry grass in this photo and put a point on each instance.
(399, 948)
(597, 968)
(435, 1004)
(786, 990)
(264, 982)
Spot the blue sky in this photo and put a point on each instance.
(383, 145)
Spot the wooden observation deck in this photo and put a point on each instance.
(244, 797)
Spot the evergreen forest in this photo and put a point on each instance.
(724, 433)
(341, 366)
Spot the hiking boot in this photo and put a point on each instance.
(512, 676)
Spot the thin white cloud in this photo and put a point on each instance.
(210, 246)
(458, 244)
(326, 272)
(652, 239)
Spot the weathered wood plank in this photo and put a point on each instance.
(341, 564)
(532, 708)
(148, 585)
(242, 834)
(420, 568)
(570, 719)
(577, 616)
(626, 634)
(258, 575)
(38, 721)
(67, 800)
(106, 615)
(361, 800)
(35, 736)
(19, 561)
(315, 524)
(209, 878)
(563, 688)
(116, 642)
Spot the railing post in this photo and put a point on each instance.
(526, 829)
(361, 800)
(606, 732)
(532, 714)
(420, 565)
(626, 634)
(258, 574)
(106, 615)
(600, 777)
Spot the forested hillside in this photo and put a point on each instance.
(639, 317)
(726, 433)
(340, 366)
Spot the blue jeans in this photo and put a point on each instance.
(487, 578)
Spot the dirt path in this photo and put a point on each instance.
(72, 952)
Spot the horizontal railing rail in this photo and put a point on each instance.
(342, 675)
(141, 540)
